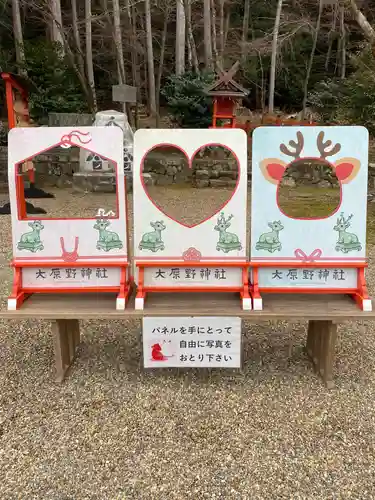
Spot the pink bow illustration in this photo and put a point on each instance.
(300, 254)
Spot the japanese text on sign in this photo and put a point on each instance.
(72, 273)
(192, 329)
(308, 277)
(189, 276)
(309, 274)
(71, 276)
(192, 342)
(191, 273)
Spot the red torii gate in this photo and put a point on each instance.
(18, 113)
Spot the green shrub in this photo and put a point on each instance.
(351, 100)
(56, 86)
(186, 100)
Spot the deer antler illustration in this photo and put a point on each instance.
(223, 220)
(342, 220)
(298, 146)
(322, 147)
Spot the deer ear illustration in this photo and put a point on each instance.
(346, 169)
(273, 169)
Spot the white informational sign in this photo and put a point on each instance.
(309, 277)
(72, 277)
(192, 342)
(191, 276)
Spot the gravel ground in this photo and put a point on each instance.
(113, 431)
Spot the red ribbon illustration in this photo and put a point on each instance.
(67, 139)
(300, 254)
(69, 256)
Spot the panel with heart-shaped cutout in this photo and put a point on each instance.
(190, 190)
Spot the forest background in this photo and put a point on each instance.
(295, 55)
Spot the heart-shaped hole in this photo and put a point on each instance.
(190, 190)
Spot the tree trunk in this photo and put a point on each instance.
(120, 56)
(361, 20)
(207, 34)
(56, 24)
(136, 69)
(118, 42)
(192, 46)
(312, 54)
(80, 75)
(77, 37)
(226, 30)
(150, 60)
(331, 34)
(189, 49)
(213, 22)
(89, 58)
(180, 37)
(222, 32)
(18, 37)
(343, 43)
(271, 97)
(245, 27)
(161, 61)
(131, 18)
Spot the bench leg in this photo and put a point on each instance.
(320, 346)
(66, 338)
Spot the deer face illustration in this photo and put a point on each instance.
(101, 224)
(158, 225)
(342, 224)
(276, 226)
(345, 168)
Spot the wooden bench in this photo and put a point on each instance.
(323, 313)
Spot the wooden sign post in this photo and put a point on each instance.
(126, 94)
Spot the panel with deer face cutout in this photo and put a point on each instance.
(221, 236)
(96, 234)
(341, 236)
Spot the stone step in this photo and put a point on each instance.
(98, 182)
(94, 182)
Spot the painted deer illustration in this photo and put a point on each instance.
(227, 241)
(107, 239)
(153, 240)
(270, 241)
(31, 240)
(345, 168)
(346, 241)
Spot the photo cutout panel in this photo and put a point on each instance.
(309, 194)
(87, 216)
(190, 191)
